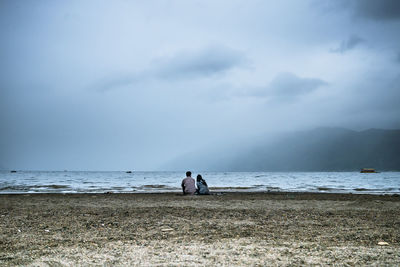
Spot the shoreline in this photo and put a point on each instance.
(244, 192)
(170, 229)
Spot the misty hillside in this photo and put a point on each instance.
(322, 149)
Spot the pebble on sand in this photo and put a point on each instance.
(383, 243)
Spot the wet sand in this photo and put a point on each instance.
(231, 229)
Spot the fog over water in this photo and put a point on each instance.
(133, 85)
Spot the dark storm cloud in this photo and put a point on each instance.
(210, 61)
(377, 9)
(288, 86)
(206, 62)
(352, 42)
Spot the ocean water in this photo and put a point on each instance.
(150, 182)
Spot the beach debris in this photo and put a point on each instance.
(47, 230)
(19, 230)
(383, 243)
(167, 230)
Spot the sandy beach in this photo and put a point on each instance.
(226, 229)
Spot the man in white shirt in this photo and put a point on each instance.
(188, 184)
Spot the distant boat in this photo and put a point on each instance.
(129, 172)
(368, 170)
(13, 171)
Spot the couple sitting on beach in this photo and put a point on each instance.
(189, 188)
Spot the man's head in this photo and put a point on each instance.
(188, 174)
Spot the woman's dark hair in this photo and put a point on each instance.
(200, 179)
(188, 173)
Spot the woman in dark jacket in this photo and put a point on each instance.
(202, 187)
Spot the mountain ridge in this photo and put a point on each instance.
(320, 149)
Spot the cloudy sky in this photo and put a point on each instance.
(118, 85)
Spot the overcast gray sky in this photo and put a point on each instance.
(118, 85)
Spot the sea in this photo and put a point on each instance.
(23, 182)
